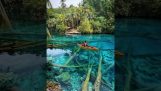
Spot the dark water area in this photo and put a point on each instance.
(140, 41)
(23, 57)
(22, 71)
(68, 54)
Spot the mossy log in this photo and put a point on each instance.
(48, 34)
(97, 83)
(56, 45)
(69, 66)
(85, 83)
(68, 61)
(19, 45)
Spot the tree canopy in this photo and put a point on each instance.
(91, 16)
(138, 8)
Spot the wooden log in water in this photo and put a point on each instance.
(19, 45)
(85, 83)
(68, 61)
(97, 83)
(69, 66)
(48, 33)
(56, 45)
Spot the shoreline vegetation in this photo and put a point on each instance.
(89, 17)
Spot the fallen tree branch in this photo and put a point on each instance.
(85, 83)
(66, 66)
(68, 61)
(97, 83)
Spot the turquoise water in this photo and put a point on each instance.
(72, 62)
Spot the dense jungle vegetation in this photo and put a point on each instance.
(138, 8)
(28, 10)
(21, 11)
(98, 13)
(91, 16)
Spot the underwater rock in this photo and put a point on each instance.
(65, 76)
(52, 86)
(49, 75)
(67, 54)
(83, 57)
(75, 82)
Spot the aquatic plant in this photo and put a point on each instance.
(64, 76)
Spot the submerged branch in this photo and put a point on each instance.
(68, 61)
(129, 73)
(85, 83)
(66, 66)
(97, 83)
(48, 33)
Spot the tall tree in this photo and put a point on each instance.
(49, 4)
(5, 20)
(63, 5)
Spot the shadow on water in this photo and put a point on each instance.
(139, 39)
(22, 59)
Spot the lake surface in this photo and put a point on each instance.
(22, 57)
(140, 41)
(77, 61)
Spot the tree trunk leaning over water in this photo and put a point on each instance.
(5, 20)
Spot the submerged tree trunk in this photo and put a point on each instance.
(85, 83)
(48, 34)
(97, 83)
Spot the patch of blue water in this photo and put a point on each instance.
(58, 56)
(104, 42)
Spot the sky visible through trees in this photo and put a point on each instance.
(56, 3)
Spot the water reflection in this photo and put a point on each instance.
(139, 39)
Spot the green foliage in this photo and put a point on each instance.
(96, 25)
(104, 13)
(93, 16)
(51, 13)
(51, 22)
(138, 8)
(85, 26)
(61, 28)
(63, 5)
